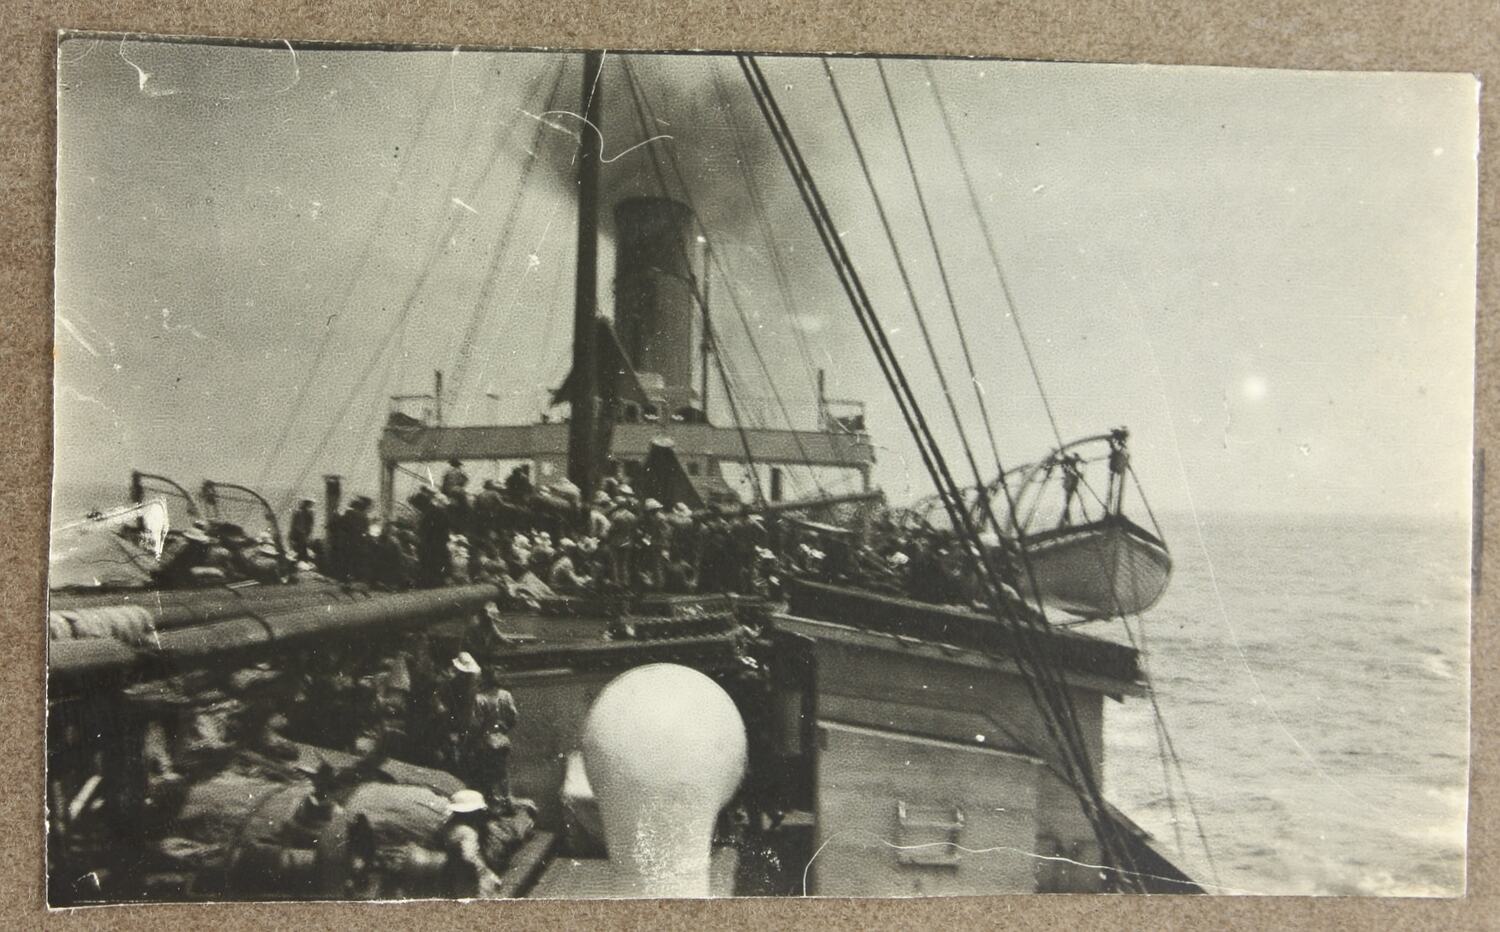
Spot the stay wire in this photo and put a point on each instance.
(911, 413)
(791, 155)
(942, 267)
(757, 202)
(848, 279)
(1070, 733)
(645, 115)
(465, 352)
(907, 284)
(994, 253)
(355, 277)
(435, 254)
(1164, 736)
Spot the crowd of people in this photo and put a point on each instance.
(442, 707)
(547, 540)
(541, 541)
(418, 701)
(435, 707)
(544, 541)
(219, 552)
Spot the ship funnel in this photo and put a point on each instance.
(654, 291)
(665, 749)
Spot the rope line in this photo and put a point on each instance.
(1067, 734)
(1040, 681)
(436, 249)
(646, 117)
(355, 276)
(989, 242)
(942, 267)
(465, 353)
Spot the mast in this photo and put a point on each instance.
(705, 346)
(583, 435)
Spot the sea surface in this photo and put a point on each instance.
(1313, 673)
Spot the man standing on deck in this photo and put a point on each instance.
(455, 481)
(482, 716)
(518, 485)
(487, 751)
(350, 539)
(455, 489)
(621, 539)
(300, 535)
(433, 557)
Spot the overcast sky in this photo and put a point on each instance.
(1268, 276)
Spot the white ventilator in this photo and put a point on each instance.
(664, 748)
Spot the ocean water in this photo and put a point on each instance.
(1313, 674)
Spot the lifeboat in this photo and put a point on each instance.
(1090, 565)
(1107, 567)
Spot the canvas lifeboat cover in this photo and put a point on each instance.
(115, 550)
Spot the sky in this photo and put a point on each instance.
(1268, 276)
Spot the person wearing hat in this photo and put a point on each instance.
(620, 540)
(455, 488)
(299, 536)
(460, 559)
(459, 693)
(654, 544)
(482, 716)
(715, 554)
(746, 534)
(455, 480)
(349, 540)
(465, 873)
(598, 517)
(487, 751)
(263, 564)
(565, 575)
(190, 553)
(684, 532)
(518, 486)
(488, 511)
(433, 556)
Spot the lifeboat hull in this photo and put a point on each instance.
(1099, 569)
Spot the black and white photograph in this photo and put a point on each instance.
(486, 474)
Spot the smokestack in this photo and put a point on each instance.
(654, 283)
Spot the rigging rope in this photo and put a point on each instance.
(465, 354)
(780, 132)
(739, 424)
(645, 115)
(347, 293)
(1051, 699)
(435, 253)
(1164, 735)
(910, 289)
(1070, 731)
(937, 253)
(989, 242)
(757, 202)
